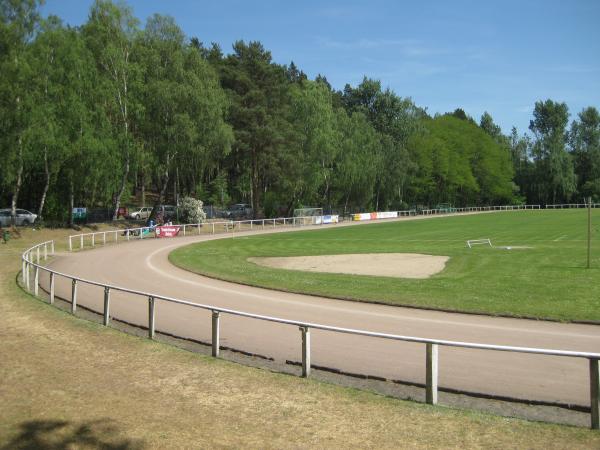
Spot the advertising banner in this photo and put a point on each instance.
(167, 231)
(387, 214)
(375, 215)
(327, 219)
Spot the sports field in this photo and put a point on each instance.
(547, 279)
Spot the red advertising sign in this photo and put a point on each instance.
(167, 231)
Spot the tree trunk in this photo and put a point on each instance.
(71, 202)
(143, 188)
(46, 184)
(125, 172)
(15, 196)
(122, 187)
(163, 189)
(255, 183)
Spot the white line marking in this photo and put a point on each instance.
(279, 300)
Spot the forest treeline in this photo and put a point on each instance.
(92, 115)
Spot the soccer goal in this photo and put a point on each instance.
(473, 242)
(308, 216)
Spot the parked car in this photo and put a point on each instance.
(23, 217)
(168, 212)
(142, 213)
(239, 211)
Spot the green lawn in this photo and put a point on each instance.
(548, 280)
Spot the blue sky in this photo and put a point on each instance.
(499, 57)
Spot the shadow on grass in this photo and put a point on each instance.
(60, 434)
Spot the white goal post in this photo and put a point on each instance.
(479, 242)
(308, 216)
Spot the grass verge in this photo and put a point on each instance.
(68, 383)
(546, 280)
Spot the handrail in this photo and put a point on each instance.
(431, 344)
(230, 225)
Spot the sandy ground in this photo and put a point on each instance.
(400, 265)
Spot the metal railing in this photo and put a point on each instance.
(227, 226)
(428, 212)
(232, 226)
(431, 345)
(572, 205)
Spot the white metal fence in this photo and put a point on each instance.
(31, 259)
(572, 205)
(233, 226)
(228, 226)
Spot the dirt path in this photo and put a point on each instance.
(145, 266)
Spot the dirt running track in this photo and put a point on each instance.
(144, 265)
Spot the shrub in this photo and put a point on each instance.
(191, 210)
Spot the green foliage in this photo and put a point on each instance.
(89, 114)
(191, 210)
(460, 164)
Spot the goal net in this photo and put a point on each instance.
(308, 216)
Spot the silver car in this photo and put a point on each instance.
(142, 213)
(23, 217)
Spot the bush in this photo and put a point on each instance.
(191, 210)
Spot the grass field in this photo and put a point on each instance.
(68, 383)
(548, 280)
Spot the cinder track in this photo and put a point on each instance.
(144, 265)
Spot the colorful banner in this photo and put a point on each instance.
(375, 215)
(327, 219)
(167, 231)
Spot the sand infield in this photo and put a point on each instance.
(399, 265)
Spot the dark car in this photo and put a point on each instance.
(239, 211)
(168, 213)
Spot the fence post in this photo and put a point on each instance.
(151, 317)
(52, 247)
(305, 351)
(81, 241)
(36, 280)
(38, 254)
(116, 236)
(45, 251)
(213, 228)
(215, 334)
(106, 306)
(70, 244)
(27, 270)
(104, 238)
(23, 269)
(51, 288)
(263, 224)
(184, 230)
(199, 228)
(127, 233)
(594, 394)
(93, 239)
(431, 374)
(73, 296)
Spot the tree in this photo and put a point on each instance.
(555, 178)
(584, 139)
(111, 34)
(459, 163)
(258, 92)
(183, 98)
(18, 21)
(396, 119)
(487, 124)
